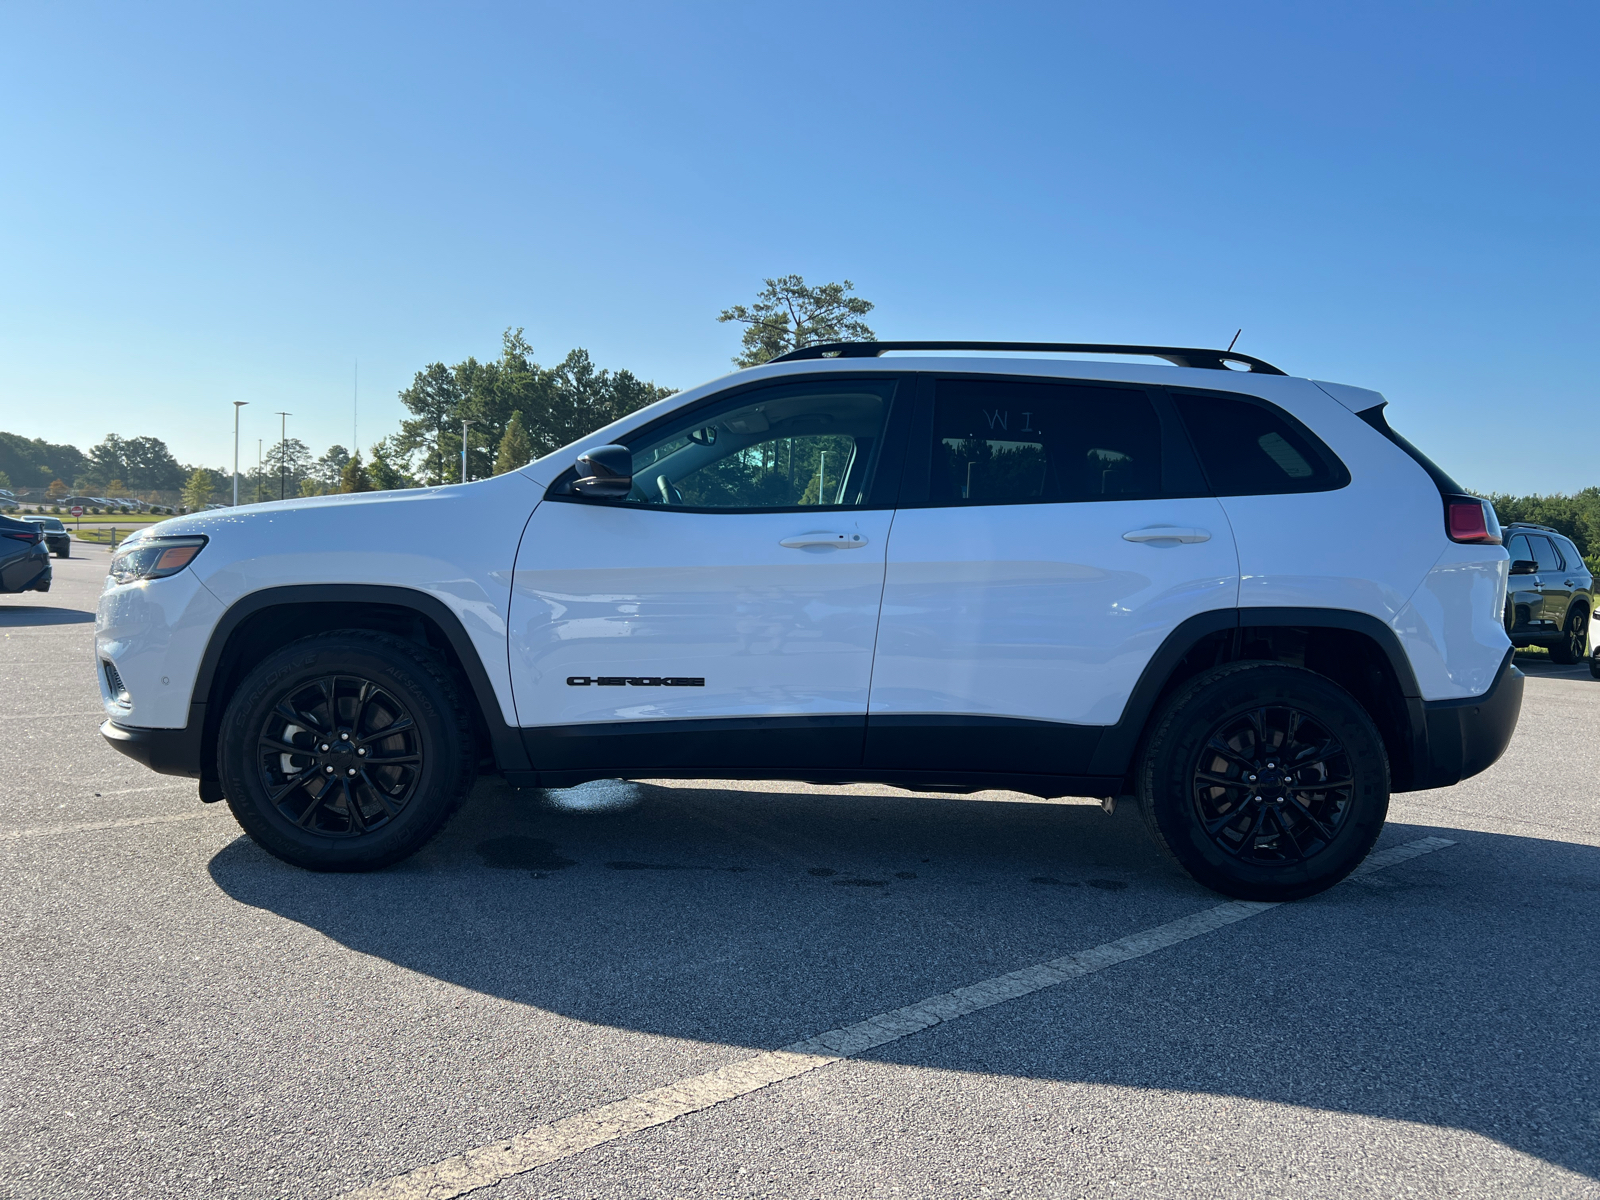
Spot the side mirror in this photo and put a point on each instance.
(1524, 566)
(606, 472)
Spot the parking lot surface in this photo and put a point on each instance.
(183, 1015)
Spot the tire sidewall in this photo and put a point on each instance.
(426, 698)
(1166, 778)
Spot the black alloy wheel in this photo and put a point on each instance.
(1574, 638)
(346, 751)
(1272, 786)
(340, 756)
(1264, 781)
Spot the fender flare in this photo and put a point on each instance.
(509, 752)
(1114, 754)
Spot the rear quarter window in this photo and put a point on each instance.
(1248, 447)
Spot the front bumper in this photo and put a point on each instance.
(165, 751)
(1464, 737)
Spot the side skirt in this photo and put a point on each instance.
(922, 753)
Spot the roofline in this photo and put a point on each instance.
(1180, 356)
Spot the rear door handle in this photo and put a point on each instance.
(839, 541)
(1167, 533)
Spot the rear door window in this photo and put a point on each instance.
(1250, 448)
(1006, 442)
(1544, 553)
(1519, 549)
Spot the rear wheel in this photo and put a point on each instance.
(1574, 638)
(1264, 782)
(346, 751)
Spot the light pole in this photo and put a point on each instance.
(463, 451)
(237, 405)
(258, 470)
(283, 453)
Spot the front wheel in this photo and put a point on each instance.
(1264, 782)
(345, 751)
(1574, 639)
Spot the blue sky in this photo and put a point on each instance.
(206, 204)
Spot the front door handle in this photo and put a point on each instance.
(1166, 533)
(839, 541)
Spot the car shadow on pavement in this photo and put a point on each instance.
(1460, 990)
(16, 616)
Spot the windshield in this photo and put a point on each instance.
(47, 522)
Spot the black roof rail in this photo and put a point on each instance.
(1179, 356)
(1532, 525)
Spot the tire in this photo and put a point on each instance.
(1594, 664)
(1212, 729)
(1574, 638)
(377, 683)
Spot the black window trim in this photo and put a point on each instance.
(1179, 464)
(1442, 479)
(1330, 460)
(882, 487)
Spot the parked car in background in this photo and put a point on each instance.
(24, 558)
(1550, 594)
(56, 536)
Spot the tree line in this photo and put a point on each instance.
(516, 411)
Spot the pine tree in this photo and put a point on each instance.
(354, 477)
(197, 492)
(515, 448)
(385, 476)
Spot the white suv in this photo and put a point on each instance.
(1233, 596)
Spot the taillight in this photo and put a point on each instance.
(1471, 520)
(31, 538)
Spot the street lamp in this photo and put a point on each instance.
(237, 405)
(283, 453)
(463, 451)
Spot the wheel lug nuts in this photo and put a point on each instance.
(1252, 778)
(344, 737)
(352, 771)
(325, 747)
(329, 770)
(361, 753)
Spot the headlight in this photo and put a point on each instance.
(154, 557)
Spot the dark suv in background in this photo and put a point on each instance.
(1550, 594)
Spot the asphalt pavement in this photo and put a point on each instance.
(183, 1015)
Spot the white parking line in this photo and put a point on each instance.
(488, 1165)
(90, 826)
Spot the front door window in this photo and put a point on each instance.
(801, 446)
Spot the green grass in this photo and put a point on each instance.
(102, 537)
